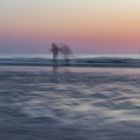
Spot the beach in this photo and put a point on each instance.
(69, 69)
(68, 103)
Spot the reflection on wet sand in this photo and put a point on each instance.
(81, 104)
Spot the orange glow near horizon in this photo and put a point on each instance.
(110, 21)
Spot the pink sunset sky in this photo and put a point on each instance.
(87, 26)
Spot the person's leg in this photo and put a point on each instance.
(67, 61)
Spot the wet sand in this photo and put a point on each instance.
(39, 103)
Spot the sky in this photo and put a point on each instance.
(87, 26)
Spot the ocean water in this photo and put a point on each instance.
(68, 103)
(76, 60)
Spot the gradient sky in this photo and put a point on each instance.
(88, 26)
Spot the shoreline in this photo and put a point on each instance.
(64, 70)
(81, 65)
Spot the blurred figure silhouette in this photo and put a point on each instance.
(55, 51)
(66, 51)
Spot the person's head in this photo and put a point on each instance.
(53, 45)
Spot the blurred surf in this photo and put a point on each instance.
(76, 60)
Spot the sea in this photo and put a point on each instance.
(76, 60)
(95, 97)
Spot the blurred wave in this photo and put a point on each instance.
(76, 60)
